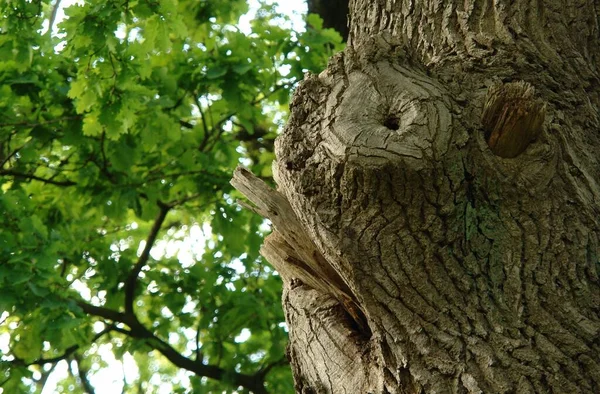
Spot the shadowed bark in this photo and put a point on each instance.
(443, 169)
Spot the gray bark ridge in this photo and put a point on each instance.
(442, 213)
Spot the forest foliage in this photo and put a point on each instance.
(121, 126)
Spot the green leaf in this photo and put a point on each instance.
(122, 157)
(91, 125)
(242, 69)
(38, 226)
(216, 72)
(85, 101)
(38, 291)
(29, 345)
(315, 21)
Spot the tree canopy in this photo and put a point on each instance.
(119, 231)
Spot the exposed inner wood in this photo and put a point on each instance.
(512, 118)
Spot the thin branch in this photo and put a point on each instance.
(198, 352)
(206, 135)
(70, 350)
(10, 156)
(41, 383)
(53, 17)
(26, 123)
(37, 178)
(125, 385)
(267, 368)
(178, 102)
(131, 281)
(228, 116)
(63, 268)
(185, 124)
(175, 203)
(252, 383)
(122, 331)
(104, 168)
(82, 374)
(175, 175)
(106, 313)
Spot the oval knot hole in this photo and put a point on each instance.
(512, 118)
(392, 123)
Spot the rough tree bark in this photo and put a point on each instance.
(436, 221)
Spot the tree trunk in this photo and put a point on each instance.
(437, 221)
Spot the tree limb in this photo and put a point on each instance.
(228, 116)
(131, 281)
(9, 156)
(198, 351)
(255, 383)
(185, 124)
(82, 374)
(204, 125)
(33, 124)
(70, 350)
(267, 368)
(161, 176)
(173, 204)
(37, 178)
(53, 17)
(108, 314)
(41, 383)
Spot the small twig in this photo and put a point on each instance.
(82, 374)
(29, 124)
(53, 17)
(45, 375)
(10, 156)
(106, 313)
(267, 368)
(159, 177)
(228, 116)
(37, 178)
(185, 124)
(175, 203)
(206, 135)
(63, 268)
(198, 352)
(104, 167)
(70, 350)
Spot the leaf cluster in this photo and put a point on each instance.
(119, 231)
